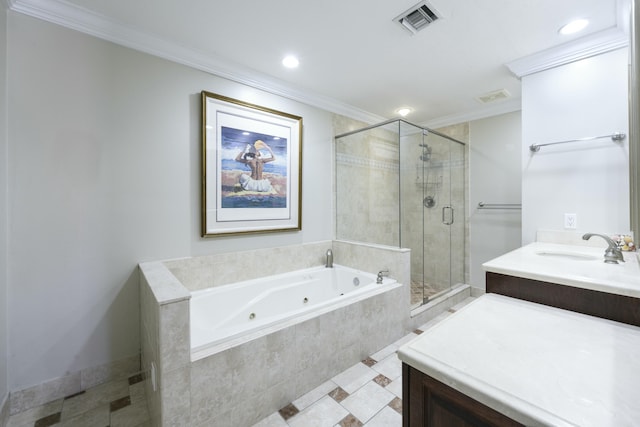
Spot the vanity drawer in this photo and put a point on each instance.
(430, 403)
(616, 307)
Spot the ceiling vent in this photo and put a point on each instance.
(496, 95)
(418, 17)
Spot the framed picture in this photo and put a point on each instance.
(251, 166)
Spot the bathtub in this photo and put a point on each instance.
(206, 369)
(228, 314)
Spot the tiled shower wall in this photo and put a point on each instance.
(367, 164)
(367, 167)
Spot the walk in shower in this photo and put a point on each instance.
(403, 185)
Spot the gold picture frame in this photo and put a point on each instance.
(251, 168)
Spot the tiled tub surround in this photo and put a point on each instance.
(251, 377)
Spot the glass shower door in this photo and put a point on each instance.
(438, 215)
(413, 154)
(439, 263)
(457, 230)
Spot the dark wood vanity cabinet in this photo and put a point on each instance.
(428, 402)
(620, 308)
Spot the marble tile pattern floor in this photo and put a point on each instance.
(119, 403)
(367, 394)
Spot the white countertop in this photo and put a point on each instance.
(579, 266)
(538, 365)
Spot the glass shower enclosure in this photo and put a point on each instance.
(399, 184)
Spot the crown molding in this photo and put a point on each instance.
(582, 48)
(68, 15)
(76, 18)
(501, 107)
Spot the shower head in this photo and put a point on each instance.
(426, 152)
(425, 147)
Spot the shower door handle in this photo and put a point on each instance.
(444, 220)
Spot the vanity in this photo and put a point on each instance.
(572, 277)
(554, 342)
(501, 361)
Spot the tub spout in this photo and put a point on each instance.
(329, 263)
(613, 254)
(381, 274)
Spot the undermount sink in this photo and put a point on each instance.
(574, 256)
(581, 266)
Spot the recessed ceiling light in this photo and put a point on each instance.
(290, 61)
(574, 27)
(404, 111)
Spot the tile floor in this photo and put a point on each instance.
(367, 394)
(119, 403)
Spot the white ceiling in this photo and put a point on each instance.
(352, 54)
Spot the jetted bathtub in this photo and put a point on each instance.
(227, 314)
(230, 355)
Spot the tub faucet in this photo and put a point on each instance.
(613, 254)
(329, 263)
(381, 274)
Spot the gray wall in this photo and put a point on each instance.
(590, 179)
(3, 207)
(104, 151)
(494, 177)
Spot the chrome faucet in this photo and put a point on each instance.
(329, 263)
(612, 254)
(381, 274)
